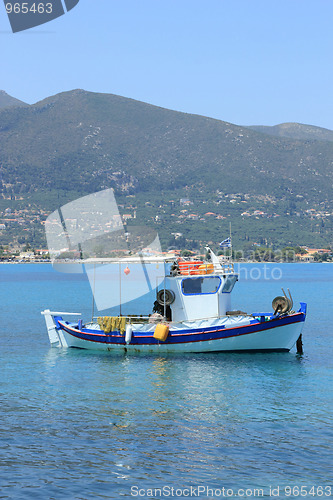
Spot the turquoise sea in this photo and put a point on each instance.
(83, 425)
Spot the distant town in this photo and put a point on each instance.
(21, 228)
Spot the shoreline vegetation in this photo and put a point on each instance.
(259, 255)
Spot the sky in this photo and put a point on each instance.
(248, 62)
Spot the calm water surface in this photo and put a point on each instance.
(83, 425)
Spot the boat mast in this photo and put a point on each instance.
(230, 243)
(93, 295)
(119, 288)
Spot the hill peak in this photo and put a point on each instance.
(294, 130)
(7, 101)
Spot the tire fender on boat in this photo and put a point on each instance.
(166, 297)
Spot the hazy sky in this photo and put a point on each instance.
(242, 61)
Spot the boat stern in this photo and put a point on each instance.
(52, 329)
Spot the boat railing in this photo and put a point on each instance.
(162, 319)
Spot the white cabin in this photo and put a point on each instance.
(198, 297)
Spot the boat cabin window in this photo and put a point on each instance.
(196, 286)
(229, 284)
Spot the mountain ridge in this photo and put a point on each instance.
(121, 127)
(295, 130)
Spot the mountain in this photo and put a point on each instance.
(92, 140)
(7, 101)
(79, 142)
(296, 131)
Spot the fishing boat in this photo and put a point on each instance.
(191, 312)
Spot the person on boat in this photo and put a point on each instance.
(159, 309)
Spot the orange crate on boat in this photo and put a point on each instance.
(189, 266)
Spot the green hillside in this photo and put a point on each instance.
(80, 142)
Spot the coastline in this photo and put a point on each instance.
(234, 262)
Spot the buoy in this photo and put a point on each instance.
(126, 271)
(128, 334)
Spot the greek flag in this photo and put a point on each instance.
(226, 243)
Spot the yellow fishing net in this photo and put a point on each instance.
(112, 323)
